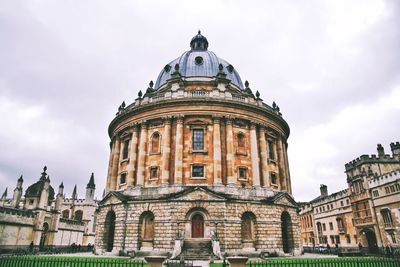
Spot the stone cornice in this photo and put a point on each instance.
(203, 102)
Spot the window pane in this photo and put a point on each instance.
(198, 139)
(197, 171)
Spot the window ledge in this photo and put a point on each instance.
(155, 153)
(272, 161)
(124, 160)
(153, 179)
(198, 178)
(203, 151)
(239, 153)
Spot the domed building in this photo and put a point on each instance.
(198, 161)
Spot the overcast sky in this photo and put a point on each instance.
(333, 67)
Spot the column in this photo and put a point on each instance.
(229, 153)
(255, 167)
(263, 158)
(281, 165)
(142, 154)
(166, 151)
(132, 156)
(217, 150)
(179, 151)
(115, 163)
(288, 182)
(112, 145)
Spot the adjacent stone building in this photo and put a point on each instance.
(368, 212)
(44, 218)
(198, 157)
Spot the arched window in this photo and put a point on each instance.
(65, 214)
(241, 143)
(78, 215)
(155, 143)
(248, 226)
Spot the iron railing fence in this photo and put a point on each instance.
(328, 262)
(354, 251)
(32, 250)
(178, 263)
(44, 261)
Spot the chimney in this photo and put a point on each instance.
(324, 190)
(381, 150)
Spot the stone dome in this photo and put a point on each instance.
(199, 62)
(35, 189)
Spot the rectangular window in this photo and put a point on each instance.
(337, 239)
(375, 193)
(125, 150)
(387, 190)
(198, 139)
(273, 178)
(331, 226)
(242, 173)
(122, 178)
(324, 227)
(397, 187)
(154, 172)
(341, 203)
(197, 171)
(347, 201)
(392, 189)
(271, 149)
(31, 201)
(393, 237)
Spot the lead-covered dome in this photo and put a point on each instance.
(199, 62)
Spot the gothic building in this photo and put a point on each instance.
(366, 213)
(198, 160)
(44, 218)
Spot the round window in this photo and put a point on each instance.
(198, 60)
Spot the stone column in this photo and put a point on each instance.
(286, 160)
(179, 151)
(230, 153)
(255, 160)
(115, 163)
(110, 161)
(217, 151)
(132, 156)
(263, 158)
(166, 151)
(142, 154)
(281, 165)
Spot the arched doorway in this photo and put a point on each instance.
(370, 240)
(197, 226)
(287, 232)
(146, 229)
(109, 230)
(45, 230)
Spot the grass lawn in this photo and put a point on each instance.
(323, 262)
(64, 261)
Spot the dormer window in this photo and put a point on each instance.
(198, 60)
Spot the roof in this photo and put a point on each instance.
(35, 189)
(199, 62)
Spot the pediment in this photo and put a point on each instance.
(284, 199)
(199, 193)
(112, 198)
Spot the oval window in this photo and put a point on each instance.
(198, 60)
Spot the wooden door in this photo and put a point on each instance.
(197, 226)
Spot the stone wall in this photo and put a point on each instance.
(227, 215)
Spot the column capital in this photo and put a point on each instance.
(229, 119)
(143, 123)
(253, 125)
(179, 118)
(167, 119)
(216, 118)
(135, 127)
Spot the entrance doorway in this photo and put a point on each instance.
(43, 237)
(287, 232)
(110, 230)
(371, 240)
(197, 226)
